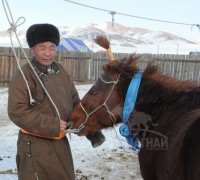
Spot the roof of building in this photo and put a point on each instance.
(195, 53)
(75, 45)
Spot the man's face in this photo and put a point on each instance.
(44, 53)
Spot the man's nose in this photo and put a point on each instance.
(47, 52)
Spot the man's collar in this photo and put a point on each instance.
(43, 69)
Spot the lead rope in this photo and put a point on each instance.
(13, 28)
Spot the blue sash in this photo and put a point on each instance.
(131, 97)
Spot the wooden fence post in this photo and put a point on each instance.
(88, 66)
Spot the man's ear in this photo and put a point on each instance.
(32, 51)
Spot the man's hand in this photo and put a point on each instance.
(63, 125)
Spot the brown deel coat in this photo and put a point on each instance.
(41, 158)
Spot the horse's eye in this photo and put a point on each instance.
(93, 92)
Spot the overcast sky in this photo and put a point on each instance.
(63, 13)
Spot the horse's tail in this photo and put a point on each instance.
(104, 43)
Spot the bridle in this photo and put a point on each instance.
(112, 117)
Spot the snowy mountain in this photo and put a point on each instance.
(122, 38)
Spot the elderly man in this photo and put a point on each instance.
(43, 150)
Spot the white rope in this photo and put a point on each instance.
(13, 28)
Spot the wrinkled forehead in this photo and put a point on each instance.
(47, 44)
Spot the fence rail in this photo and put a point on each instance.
(87, 66)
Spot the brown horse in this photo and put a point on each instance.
(170, 142)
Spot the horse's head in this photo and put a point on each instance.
(102, 105)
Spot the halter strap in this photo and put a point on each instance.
(129, 104)
(112, 117)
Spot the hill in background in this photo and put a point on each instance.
(123, 39)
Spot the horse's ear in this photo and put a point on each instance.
(105, 67)
(112, 66)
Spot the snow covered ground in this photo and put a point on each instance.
(115, 159)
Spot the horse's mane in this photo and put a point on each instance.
(153, 72)
(158, 87)
(127, 67)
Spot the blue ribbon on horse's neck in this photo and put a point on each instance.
(129, 104)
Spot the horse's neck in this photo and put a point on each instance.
(161, 102)
(154, 99)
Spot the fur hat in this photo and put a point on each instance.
(39, 33)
